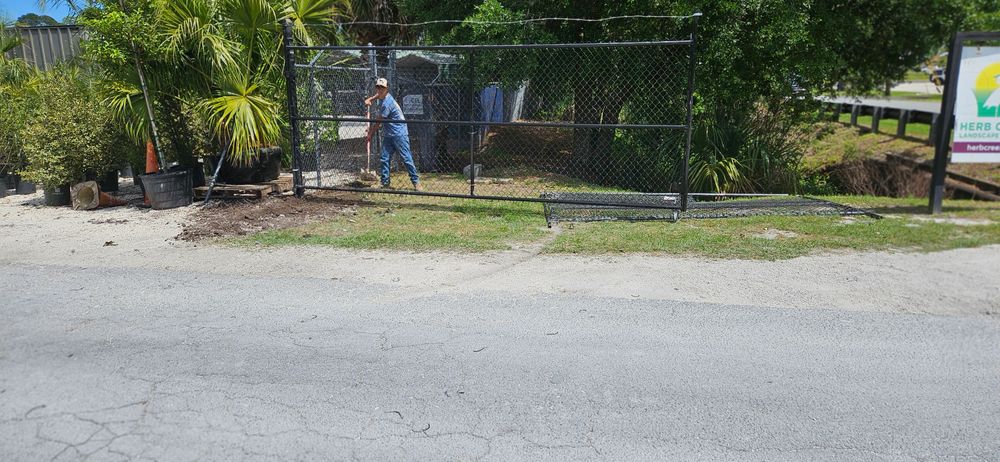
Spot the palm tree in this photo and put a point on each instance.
(12, 71)
(385, 12)
(227, 63)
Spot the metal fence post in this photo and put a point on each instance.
(293, 111)
(685, 181)
(904, 119)
(472, 128)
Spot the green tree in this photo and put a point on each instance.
(752, 56)
(216, 61)
(32, 19)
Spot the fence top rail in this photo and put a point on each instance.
(492, 47)
(486, 123)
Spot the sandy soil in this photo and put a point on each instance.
(955, 282)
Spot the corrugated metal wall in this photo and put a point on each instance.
(45, 46)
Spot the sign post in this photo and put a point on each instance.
(970, 108)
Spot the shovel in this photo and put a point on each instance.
(367, 174)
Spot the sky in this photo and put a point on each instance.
(12, 9)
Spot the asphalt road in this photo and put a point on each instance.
(145, 364)
(925, 106)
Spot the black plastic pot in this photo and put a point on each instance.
(108, 182)
(169, 189)
(266, 167)
(25, 187)
(58, 196)
(198, 174)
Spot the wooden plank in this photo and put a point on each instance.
(251, 191)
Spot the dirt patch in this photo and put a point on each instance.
(243, 217)
(955, 221)
(772, 234)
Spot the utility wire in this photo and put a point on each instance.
(520, 21)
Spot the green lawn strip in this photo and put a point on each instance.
(776, 238)
(412, 223)
(832, 143)
(889, 126)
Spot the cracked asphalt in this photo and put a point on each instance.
(111, 363)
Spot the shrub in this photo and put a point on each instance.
(753, 154)
(15, 104)
(70, 132)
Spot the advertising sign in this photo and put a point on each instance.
(977, 106)
(413, 105)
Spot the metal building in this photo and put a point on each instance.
(44, 46)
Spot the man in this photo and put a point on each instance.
(395, 136)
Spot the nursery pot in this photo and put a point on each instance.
(198, 174)
(108, 182)
(266, 167)
(169, 189)
(57, 196)
(24, 187)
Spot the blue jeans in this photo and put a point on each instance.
(402, 144)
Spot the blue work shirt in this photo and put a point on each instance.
(392, 111)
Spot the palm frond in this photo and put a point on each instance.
(314, 19)
(241, 113)
(189, 31)
(127, 106)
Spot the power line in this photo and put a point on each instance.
(520, 21)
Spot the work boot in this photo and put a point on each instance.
(417, 187)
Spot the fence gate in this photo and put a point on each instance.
(535, 122)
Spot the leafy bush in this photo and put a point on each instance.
(70, 132)
(15, 106)
(756, 153)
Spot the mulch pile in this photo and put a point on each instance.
(243, 217)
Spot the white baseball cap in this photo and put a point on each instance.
(381, 82)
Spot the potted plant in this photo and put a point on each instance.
(59, 145)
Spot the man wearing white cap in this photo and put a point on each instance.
(395, 136)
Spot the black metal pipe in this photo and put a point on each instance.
(404, 192)
(293, 112)
(685, 181)
(499, 124)
(472, 128)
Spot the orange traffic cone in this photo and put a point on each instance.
(87, 196)
(107, 200)
(151, 165)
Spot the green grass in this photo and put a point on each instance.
(832, 143)
(424, 224)
(889, 126)
(776, 238)
(410, 223)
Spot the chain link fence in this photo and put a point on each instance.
(510, 122)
